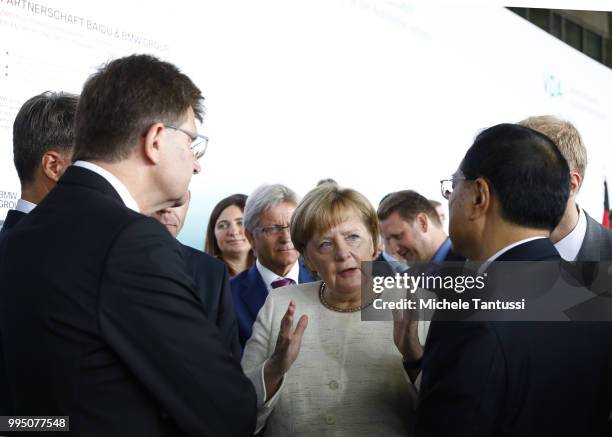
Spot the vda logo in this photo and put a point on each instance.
(552, 86)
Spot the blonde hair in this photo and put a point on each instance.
(327, 206)
(565, 136)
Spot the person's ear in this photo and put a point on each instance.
(54, 164)
(152, 142)
(481, 197)
(422, 221)
(575, 182)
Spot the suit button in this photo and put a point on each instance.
(329, 419)
(333, 385)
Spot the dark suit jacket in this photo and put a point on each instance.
(250, 293)
(101, 323)
(515, 378)
(212, 286)
(597, 243)
(12, 218)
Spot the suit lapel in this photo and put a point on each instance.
(254, 292)
(589, 250)
(304, 275)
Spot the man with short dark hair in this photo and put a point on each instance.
(440, 210)
(104, 324)
(43, 137)
(512, 378)
(412, 229)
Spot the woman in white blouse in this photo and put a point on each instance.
(333, 374)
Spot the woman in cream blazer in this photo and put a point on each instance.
(331, 374)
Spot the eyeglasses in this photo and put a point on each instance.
(199, 143)
(448, 185)
(272, 231)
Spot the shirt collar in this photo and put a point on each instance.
(121, 189)
(570, 245)
(442, 251)
(25, 206)
(396, 265)
(484, 266)
(269, 276)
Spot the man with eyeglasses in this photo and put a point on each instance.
(491, 378)
(267, 215)
(103, 324)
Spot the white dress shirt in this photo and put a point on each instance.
(269, 276)
(24, 206)
(348, 379)
(570, 245)
(121, 189)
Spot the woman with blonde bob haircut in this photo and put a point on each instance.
(331, 373)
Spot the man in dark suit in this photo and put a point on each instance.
(512, 378)
(43, 133)
(210, 277)
(103, 324)
(577, 237)
(267, 215)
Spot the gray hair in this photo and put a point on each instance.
(265, 197)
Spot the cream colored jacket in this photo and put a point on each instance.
(348, 379)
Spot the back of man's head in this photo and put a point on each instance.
(408, 204)
(567, 138)
(123, 99)
(526, 173)
(45, 123)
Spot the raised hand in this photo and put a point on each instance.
(286, 351)
(406, 339)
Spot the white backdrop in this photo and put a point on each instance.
(379, 95)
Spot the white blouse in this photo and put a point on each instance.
(348, 379)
